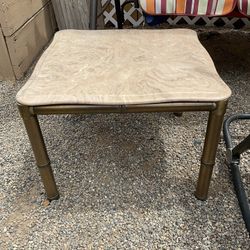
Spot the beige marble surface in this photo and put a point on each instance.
(123, 67)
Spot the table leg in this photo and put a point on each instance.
(93, 15)
(119, 14)
(210, 148)
(36, 139)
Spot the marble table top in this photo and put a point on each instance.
(119, 67)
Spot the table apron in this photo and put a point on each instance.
(87, 109)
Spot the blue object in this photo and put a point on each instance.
(154, 20)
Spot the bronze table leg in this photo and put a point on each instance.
(40, 152)
(210, 148)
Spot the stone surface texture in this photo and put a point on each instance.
(124, 67)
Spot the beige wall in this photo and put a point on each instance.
(27, 26)
(6, 71)
(74, 14)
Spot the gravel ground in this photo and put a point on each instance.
(126, 182)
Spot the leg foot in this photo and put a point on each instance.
(178, 114)
(49, 182)
(204, 181)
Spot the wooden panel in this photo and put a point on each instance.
(6, 72)
(74, 14)
(14, 13)
(26, 44)
(71, 14)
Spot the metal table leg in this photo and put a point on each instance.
(119, 13)
(214, 125)
(40, 152)
(93, 15)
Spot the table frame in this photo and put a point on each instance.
(215, 120)
(216, 116)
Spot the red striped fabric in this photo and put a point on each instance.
(163, 7)
(244, 7)
(188, 6)
(196, 4)
(191, 7)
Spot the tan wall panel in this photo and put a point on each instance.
(14, 13)
(74, 14)
(6, 72)
(26, 44)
